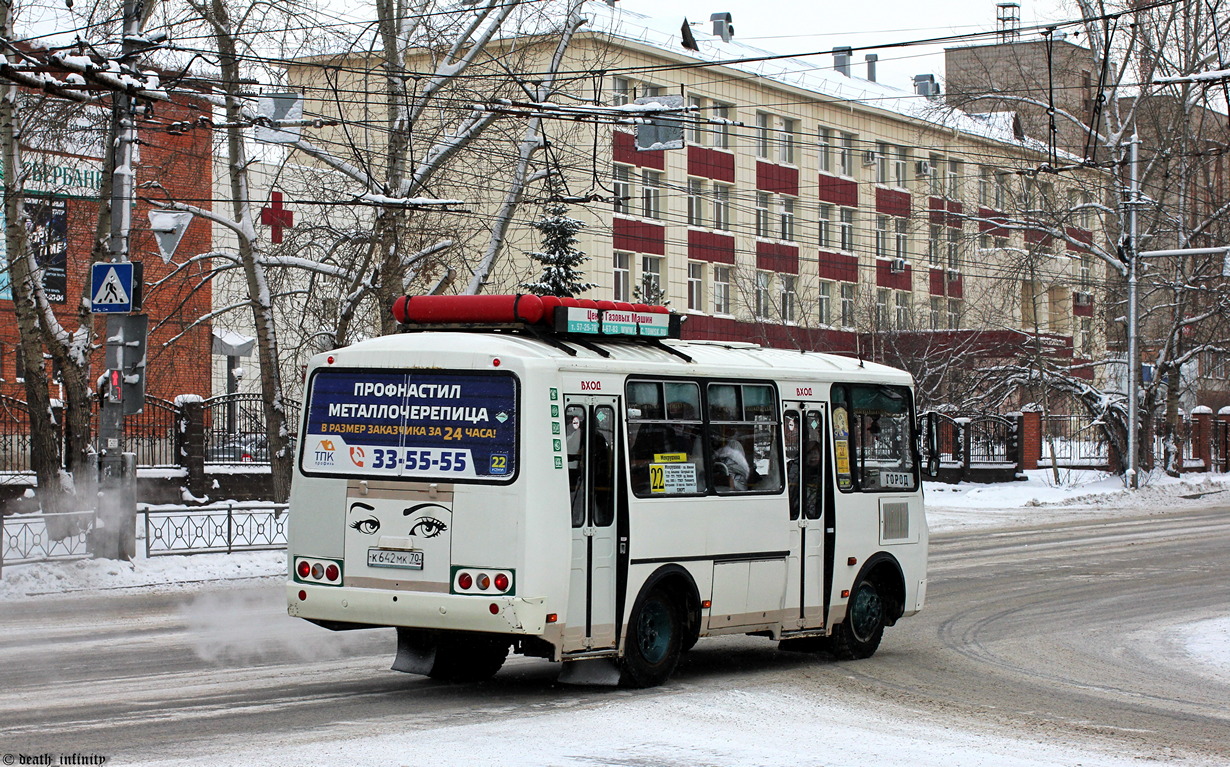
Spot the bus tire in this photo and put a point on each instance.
(859, 635)
(654, 641)
(468, 658)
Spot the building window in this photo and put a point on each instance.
(786, 283)
(696, 132)
(787, 219)
(881, 239)
(901, 164)
(937, 312)
(621, 91)
(953, 187)
(984, 186)
(882, 309)
(933, 245)
(696, 202)
(762, 302)
(823, 221)
(1000, 192)
(651, 280)
(721, 132)
(845, 230)
(1084, 341)
(845, 155)
(824, 149)
(1086, 273)
(651, 194)
(824, 303)
(954, 314)
(721, 207)
(762, 135)
(848, 294)
(721, 290)
(622, 284)
(762, 214)
(903, 310)
(937, 176)
(19, 365)
(883, 159)
(696, 286)
(954, 249)
(901, 237)
(622, 189)
(785, 147)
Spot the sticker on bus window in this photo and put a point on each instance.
(841, 448)
(672, 478)
(391, 423)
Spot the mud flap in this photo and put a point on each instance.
(595, 671)
(416, 651)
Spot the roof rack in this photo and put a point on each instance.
(580, 321)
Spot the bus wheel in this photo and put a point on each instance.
(860, 633)
(654, 642)
(468, 658)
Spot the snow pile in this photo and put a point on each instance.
(1080, 494)
(1208, 642)
(173, 572)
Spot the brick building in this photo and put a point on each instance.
(61, 200)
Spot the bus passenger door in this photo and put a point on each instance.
(804, 427)
(590, 426)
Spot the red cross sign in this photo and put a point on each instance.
(277, 217)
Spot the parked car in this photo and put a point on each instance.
(242, 448)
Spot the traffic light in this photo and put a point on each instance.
(126, 345)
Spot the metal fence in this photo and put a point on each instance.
(990, 438)
(235, 429)
(14, 435)
(26, 538)
(1073, 441)
(215, 529)
(150, 434)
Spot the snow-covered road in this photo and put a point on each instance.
(1095, 634)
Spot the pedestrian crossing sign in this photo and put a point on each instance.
(112, 288)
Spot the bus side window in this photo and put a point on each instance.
(744, 439)
(664, 434)
(574, 422)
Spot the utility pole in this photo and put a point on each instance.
(115, 521)
(1132, 475)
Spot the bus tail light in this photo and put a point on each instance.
(473, 580)
(318, 572)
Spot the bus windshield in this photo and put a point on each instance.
(411, 424)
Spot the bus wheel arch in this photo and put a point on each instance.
(680, 584)
(659, 627)
(876, 601)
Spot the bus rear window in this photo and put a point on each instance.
(410, 424)
(873, 438)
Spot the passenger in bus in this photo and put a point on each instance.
(731, 469)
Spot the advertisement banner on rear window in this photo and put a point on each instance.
(412, 424)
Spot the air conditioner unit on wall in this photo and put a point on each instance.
(870, 158)
(922, 167)
(897, 266)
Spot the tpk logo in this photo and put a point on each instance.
(324, 453)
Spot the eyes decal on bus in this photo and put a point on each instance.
(428, 527)
(366, 526)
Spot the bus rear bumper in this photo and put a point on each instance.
(381, 607)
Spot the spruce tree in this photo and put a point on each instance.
(560, 259)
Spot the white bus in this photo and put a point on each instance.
(571, 485)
